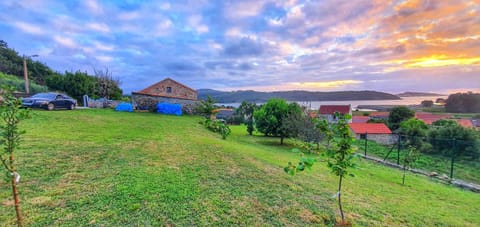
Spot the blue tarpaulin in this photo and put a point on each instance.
(124, 107)
(168, 108)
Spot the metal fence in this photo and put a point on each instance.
(445, 157)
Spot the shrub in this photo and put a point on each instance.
(218, 127)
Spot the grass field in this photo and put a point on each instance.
(99, 167)
(464, 168)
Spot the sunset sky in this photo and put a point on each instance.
(325, 45)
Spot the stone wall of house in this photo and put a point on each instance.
(172, 89)
(147, 102)
(385, 139)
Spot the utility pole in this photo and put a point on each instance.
(25, 73)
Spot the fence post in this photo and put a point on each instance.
(399, 148)
(366, 140)
(454, 148)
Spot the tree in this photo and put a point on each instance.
(206, 107)
(340, 155)
(246, 109)
(304, 128)
(11, 114)
(454, 138)
(269, 119)
(79, 84)
(415, 132)
(463, 103)
(107, 85)
(427, 103)
(397, 115)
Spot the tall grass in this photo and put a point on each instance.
(19, 84)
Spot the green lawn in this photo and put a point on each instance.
(464, 168)
(99, 167)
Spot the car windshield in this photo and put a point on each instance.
(44, 96)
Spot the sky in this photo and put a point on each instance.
(271, 45)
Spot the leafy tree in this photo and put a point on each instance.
(453, 136)
(463, 103)
(444, 123)
(415, 132)
(246, 109)
(206, 107)
(11, 114)
(78, 84)
(12, 63)
(270, 118)
(304, 128)
(427, 103)
(397, 115)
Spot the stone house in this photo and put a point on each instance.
(377, 132)
(328, 112)
(169, 91)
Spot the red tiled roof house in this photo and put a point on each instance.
(167, 90)
(328, 112)
(377, 132)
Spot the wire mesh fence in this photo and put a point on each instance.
(445, 157)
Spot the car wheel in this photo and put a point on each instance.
(71, 107)
(51, 106)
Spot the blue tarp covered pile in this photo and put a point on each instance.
(168, 108)
(124, 107)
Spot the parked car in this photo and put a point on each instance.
(50, 101)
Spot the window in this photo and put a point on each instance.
(363, 136)
(169, 89)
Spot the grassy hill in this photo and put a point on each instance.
(19, 84)
(95, 167)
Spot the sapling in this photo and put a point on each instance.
(340, 156)
(409, 159)
(11, 114)
(340, 153)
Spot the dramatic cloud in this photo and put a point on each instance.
(392, 46)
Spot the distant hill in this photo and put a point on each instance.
(256, 96)
(415, 94)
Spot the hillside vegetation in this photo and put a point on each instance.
(19, 84)
(257, 96)
(100, 167)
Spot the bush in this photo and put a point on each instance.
(218, 127)
(453, 136)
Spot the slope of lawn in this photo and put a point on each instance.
(100, 167)
(464, 168)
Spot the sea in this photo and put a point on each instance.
(315, 105)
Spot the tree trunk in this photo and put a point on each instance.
(17, 200)
(281, 140)
(340, 197)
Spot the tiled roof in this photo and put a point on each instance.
(466, 123)
(429, 118)
(360, 119)
(370, 128)
(379, 114)
(331, 109)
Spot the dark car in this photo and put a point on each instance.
(49, 101)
